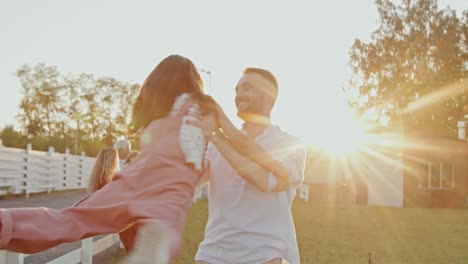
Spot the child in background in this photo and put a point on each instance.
(107, 163)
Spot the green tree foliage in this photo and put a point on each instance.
(415, 67)
(56, 108)
(12, 138)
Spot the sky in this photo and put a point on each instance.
(304, 43)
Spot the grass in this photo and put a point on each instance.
(334, 234)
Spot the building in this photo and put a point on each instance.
(414, 169)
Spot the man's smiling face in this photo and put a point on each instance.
(252, 97)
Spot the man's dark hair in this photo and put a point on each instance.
(265, 74)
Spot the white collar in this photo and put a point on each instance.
(268, 130)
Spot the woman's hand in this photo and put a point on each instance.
(209, 105)
(207, 123)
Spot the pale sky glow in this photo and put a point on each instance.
(305, 44)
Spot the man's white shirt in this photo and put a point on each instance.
(246, 225)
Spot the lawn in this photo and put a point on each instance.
(333, 234)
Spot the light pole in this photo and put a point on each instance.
(209, 79)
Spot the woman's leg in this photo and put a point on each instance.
(31, 230)
(153, 244)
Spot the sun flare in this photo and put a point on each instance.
(339, 134)
(345, 138)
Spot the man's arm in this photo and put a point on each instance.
(252, 150)
(255, 165)
(246, 168)
(239, 140)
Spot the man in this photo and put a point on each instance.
(133, 154)
(123, 148)
(253, 176)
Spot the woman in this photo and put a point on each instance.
(107, 163)
(152, 194)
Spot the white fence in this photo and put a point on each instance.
(88, 248)
(82, 255)
(27, 171)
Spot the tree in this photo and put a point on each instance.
(40, 98)
(415, 67)
(12, 138)
(56, 109)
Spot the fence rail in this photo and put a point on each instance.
(24, 171)
(83, 255)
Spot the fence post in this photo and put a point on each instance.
(49, 168)
(13, 258)
(65, 168)
(87, 251)
(121, 245)
(82, 178)
(26, 177)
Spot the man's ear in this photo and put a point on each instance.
(269, 103)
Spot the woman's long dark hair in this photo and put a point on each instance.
(172, 77)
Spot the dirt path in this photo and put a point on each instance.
(56, 201)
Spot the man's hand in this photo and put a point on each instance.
(207, 123)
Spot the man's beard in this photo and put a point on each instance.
(253, 112)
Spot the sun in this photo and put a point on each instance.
(345, 138)
(339, 134)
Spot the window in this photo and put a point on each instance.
(447, 177)
(421, 170)
(436, 175)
